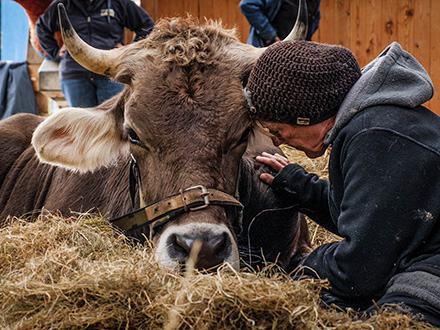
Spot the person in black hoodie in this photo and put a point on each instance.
(383, 192)
(101, 24)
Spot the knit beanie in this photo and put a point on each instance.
(300, 82)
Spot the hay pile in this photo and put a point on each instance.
(79, 273)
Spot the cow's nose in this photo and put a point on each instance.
(213, 252)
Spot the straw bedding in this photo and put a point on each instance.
(80, 273)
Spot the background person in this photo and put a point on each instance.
(272, 20)
(101, 24)
(383, 192)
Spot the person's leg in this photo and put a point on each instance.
(408, 304)
(79, 92)
(106, 88)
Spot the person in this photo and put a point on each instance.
(272, 20)
(101, 24)
(383, 192)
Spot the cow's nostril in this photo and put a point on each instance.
(212, 246)
(184, 243)
(213, 252)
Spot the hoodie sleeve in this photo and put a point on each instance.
(253, 11)
(46, 27)
(137, 20)
(294, 185)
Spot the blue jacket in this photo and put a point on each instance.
(100, 23)
(260, 14)
(383, 188)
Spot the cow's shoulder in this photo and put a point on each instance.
(16, 131)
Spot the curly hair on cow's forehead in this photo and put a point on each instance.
(187, 40)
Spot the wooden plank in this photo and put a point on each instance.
(435, 54)
(43, 104)
(326, 30)
(172, 8)
(374, 29)
(242, 23)
(33, 74)
(150, 7)
(206, 9)
(405, 24)
(389, 17)
(358, 30)
(422, 35)
(342, 23)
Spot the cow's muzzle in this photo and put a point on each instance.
(217, 243)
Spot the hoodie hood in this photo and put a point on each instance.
(394, 78)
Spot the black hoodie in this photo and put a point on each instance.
(383, 193)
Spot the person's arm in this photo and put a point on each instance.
(47, 25)
(384, 214)
(137, 20)
(294, 186)
(316, 14)
(253, 11)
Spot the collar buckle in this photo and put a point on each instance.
(204, 195)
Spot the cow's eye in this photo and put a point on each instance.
(134, 138)
(245, 136)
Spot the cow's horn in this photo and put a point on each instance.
(299, 30)
(93, 59)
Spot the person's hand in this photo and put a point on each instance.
(62, 51)
(276, 161)
(270, 42)
(118, 45)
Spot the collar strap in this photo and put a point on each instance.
(191, 199)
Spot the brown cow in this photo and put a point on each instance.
(184, 117)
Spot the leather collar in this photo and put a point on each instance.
(158, 213)
(162, 211)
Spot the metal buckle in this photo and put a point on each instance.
(204, 195)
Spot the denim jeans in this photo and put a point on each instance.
(86, 93)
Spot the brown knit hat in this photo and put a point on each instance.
(301, 82)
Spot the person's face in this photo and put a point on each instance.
(309, 139)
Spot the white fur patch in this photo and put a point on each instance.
(79, 139)
(161, 250)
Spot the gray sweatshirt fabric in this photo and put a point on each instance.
(395, 77)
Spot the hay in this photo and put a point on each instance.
(80, 273)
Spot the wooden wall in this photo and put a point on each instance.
(364, 26)
(368, 26)
(226, 10)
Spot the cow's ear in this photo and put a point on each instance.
(260, 141)
(80, 139)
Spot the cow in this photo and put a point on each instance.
(183, 124)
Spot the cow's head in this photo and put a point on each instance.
(182, 115)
